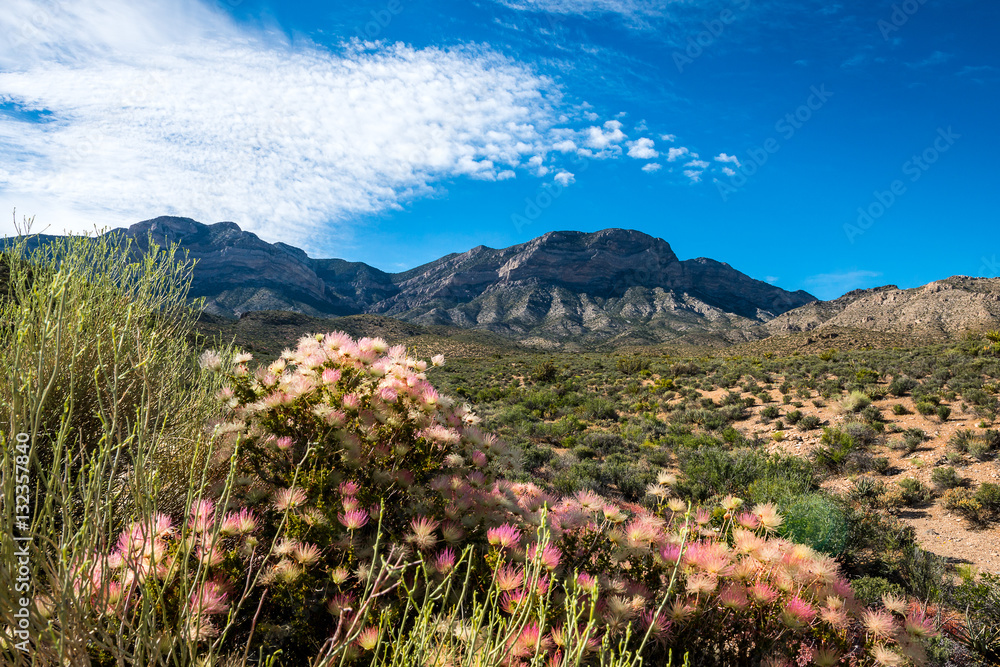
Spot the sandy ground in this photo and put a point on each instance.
(938, 530)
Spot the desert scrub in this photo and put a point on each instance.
(99, 373)
(856, 401)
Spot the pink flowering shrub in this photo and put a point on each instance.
(346, 438)
(356, 456)
(192, 574)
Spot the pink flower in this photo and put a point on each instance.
(733, 597)
(530, 641)
(209, 598)
(879, 624)
(587, 582)
(918, 624)
(287, 499)
(349, 488)
(509, 578)
(331, 376)
(511, 600)
(388, 394)
(505, 536)
(368, 639)
(353, 520)
(351, 401)
(671, 553)
(239, 523)
(550, 556)
(284, 443)
(797, 612)
(748, 520)
(422, 535)
(658, 626)
(445, 560)
(763, 594)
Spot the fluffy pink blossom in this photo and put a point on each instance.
(353, 520)
(505, 536)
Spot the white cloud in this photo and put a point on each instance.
(652, 167)
(669, 137)
(676, 153)
(642, 149)
(728, 172)
(635, 11)
(693, 174)
(163, 108)
(564, 178)
(565, 146)
(697, 164)
(591, 116)
(602, 139)
(722, 157)
(535, 164)
(506, 175)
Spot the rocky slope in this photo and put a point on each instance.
(561, 287)
(939, 309)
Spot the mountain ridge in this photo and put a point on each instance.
(562, 285)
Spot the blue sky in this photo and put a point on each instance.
(823, 146)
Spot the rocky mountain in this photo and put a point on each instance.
(939, 309)
(563, 287)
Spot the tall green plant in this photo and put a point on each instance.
(104, 404)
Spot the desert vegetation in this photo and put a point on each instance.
(346, 502)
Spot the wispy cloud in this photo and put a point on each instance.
(936, 58)
(833, 285)
(178, 110)
(631, 9)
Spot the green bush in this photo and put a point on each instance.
(808, 423)
(856, 401)
(946, 478)
(899, 409)
(818, 521)
(926, 408)
(914, 492)
(902, 385)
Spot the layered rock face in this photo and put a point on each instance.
(559, 286)
(941, 308)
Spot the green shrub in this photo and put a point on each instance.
(926, 408)
(808, 423)
(856, 401)
(793, 417)
(946, 478)
(914, 492)
(769, 413)
(872, 414)
(871, 590)
(943, 412)
(902, 385)
(816, 520)
(899, 409)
